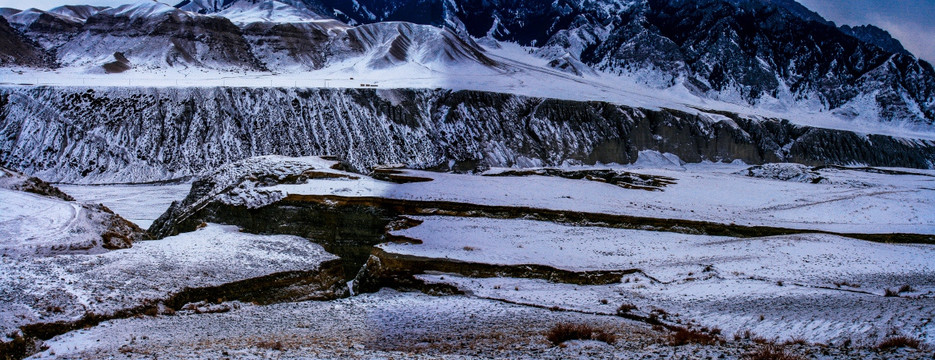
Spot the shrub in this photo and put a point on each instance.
(270, 345)
(796, 341)
(906, 288)
(890, 293)
(771, 352)
(899, 341)
(625, 308)
(601, 335)
(683, 336)
(563, 332)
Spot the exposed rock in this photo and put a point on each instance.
(16, 49)
(119, 65)
(785, 172)
(94, 135)
(623, 179)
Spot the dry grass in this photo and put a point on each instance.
(270, 345)
(625, 308)
(683, 336)
(563, 332)
(771, 352)
(899, 341)
(795, 341)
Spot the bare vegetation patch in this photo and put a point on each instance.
(684, 336)
(771, 352)
(270, 345)
(625, 308)
(900, 341)
(563, 332)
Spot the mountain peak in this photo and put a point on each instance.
(873, 35)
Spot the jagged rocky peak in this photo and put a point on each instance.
(873, 35)
(262, 11)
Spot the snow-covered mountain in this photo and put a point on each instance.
(773, 54)
(743, 51)
(728, 62)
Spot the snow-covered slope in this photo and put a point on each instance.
(774, 56)
(252, 11)
(155, 35)
(37, 219)
(755, 52)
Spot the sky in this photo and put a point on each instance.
(912, 22)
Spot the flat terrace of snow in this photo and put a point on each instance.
(816, 287)
(142, 204)
(811, 259)
(854, 202)
(37, 289)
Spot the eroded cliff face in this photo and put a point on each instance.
(149, 134)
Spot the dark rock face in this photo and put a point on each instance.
(16, 49)
(873, 35)
(133, 135)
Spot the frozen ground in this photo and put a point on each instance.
(140, 203)
(818, 287)
(69, 287)
(386, 325)
(853, 201)
(718, 281)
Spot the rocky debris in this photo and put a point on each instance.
(241, 184)
(119, 65)
(785, 172)
(51, 295)
(13, 180)
(465, 131)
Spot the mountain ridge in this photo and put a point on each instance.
(773, 53)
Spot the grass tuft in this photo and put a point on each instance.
(899, 341)
(771, 352)
(683, 336)
(563, 332)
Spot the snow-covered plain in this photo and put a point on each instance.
(718, 281)
(67, 287)
(853, 201)
(139, 203)
(817, 287)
